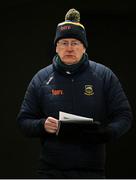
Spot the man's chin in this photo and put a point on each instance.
(69, 62)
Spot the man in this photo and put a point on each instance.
(76, 85)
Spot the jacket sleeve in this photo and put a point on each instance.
(30, 119)
(118, 108)
(119, 114)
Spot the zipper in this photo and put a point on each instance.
(73, 94)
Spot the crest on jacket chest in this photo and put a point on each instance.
(89, 90)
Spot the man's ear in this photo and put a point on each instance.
(56, 49)
(84, 50)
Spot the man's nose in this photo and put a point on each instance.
(69, 47)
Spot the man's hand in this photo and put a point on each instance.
(51, 125)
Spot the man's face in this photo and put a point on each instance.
(70, 50)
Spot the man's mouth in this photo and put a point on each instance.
(69, 55)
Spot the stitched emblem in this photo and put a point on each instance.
(89, 90)
(57, 92)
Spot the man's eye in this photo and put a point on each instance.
(74, 43)
(64, 43)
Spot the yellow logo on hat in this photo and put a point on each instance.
(89, 90)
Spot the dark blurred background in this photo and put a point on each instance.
(27, 33)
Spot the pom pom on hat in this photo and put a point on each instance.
(72, 15)
(71, 28)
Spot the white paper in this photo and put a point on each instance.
(63, 116)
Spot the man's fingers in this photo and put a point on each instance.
(52, 120)
(51, 125)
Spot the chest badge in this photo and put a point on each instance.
(57, 92)
(89, 90)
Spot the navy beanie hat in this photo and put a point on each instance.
(71, 28)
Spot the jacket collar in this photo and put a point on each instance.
(70, 69)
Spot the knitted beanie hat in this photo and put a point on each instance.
(71, 28)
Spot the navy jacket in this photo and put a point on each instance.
(92, 91)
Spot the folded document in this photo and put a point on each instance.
(71, 118)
